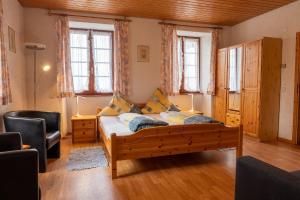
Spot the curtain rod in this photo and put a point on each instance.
(78, 15)
(197, 26)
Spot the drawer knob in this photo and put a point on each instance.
(83, 124)
(83, 133)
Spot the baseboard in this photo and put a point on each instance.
(285, 140)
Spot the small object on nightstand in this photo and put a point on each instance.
(84, 128)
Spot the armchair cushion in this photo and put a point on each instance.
(52, 138)
(261, 181)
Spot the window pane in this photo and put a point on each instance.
(102, 69)
(79, 55)
(103, 84)
(191, 45)
(103, 61)
(191, 65)
(102, 40)
(102, 56)
(190, 59)
(80, 69)
(191, 71)
(80, 84)
(79, 39)
(192, 84)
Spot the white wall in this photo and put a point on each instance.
(145, 77)
(40, 28)
(14, 17)
(282, 23)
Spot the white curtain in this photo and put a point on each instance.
(213, 61)
(121, 61)
(170, 75)
(64, 71)
(5, 91)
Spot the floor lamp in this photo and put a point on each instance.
(35, 47)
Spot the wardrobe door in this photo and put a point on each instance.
(220, 97)
(251, 85)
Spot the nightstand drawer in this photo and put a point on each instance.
(84, 124)
(84, 133)
(233, 119)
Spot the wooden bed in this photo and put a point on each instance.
(170, 140)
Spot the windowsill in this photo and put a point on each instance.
(94, 94)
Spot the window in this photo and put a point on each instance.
(92, 61)
(189, 62)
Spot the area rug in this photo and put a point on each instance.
(87, 158)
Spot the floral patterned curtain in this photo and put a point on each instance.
(64, 71)
(213, 61)
(169, 76)
(121, 61)
(5, 91)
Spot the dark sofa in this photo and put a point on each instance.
(40, 130)
(257, 180)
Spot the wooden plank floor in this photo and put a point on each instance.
(207, 175)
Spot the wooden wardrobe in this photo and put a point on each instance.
(256, 87)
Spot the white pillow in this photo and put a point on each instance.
(126, 117)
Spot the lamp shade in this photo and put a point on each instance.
(35, 46)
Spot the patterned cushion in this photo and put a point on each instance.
(157, 103)
(117, 105)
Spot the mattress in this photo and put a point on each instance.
(112, 124)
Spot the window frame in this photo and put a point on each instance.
(91, 91)
(182, 90)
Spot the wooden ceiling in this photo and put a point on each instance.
(219, 12)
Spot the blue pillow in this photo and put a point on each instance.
(173, 107)
(135, 109)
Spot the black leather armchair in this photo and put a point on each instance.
(260, 181)
(40, 130)
(18, 169)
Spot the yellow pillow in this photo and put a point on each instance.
(117, 105)
(157, 103)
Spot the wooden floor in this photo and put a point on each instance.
(207, 175)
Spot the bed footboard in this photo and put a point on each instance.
(171, 140)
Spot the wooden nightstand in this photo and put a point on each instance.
(84, 128)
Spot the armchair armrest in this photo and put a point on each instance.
(10, 141)
(52, 120)
(19, 174)
(258, 180)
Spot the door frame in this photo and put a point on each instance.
(296, 128)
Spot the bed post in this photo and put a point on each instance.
(239, 149)
(113, 156)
